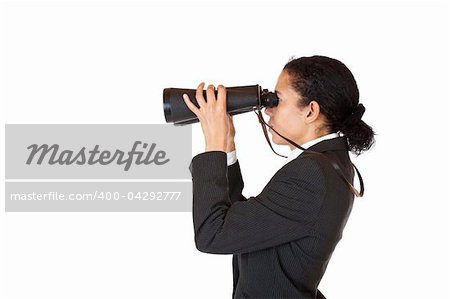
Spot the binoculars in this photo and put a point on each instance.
(240, 99)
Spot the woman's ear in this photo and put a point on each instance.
(313, 113)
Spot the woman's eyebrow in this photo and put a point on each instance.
(278, 93)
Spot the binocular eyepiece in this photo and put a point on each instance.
(240, 99)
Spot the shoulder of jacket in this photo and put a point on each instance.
(304, 166)
(312, 160)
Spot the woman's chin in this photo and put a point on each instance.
(275, 141)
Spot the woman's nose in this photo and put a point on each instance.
(268, 111)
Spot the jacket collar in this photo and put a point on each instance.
(335, 144)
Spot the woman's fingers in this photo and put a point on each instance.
(212, 115)
(221, 97)
(211, 99)
(191, 105)
(199, 95)
(210, 96)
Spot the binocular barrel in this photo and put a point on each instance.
(240, 99)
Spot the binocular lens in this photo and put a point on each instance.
(240, 99)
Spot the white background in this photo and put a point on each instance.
(108, 62)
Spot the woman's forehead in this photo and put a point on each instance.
(282, 83)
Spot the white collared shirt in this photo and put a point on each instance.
(296, 151)
(232, 157)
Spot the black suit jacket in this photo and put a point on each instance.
(283, 238)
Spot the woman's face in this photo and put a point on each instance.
(287, 118)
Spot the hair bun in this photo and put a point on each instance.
(356, 116)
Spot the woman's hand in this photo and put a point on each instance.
(231, 132)
(217, 124)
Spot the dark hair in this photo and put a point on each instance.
(330, 83)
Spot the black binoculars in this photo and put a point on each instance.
(240, 99)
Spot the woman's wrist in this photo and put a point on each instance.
(220, 145)
(215, 147)
(230, 147)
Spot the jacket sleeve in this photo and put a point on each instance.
(235, 182)
(226, 222)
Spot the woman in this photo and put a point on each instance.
(282, 239)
